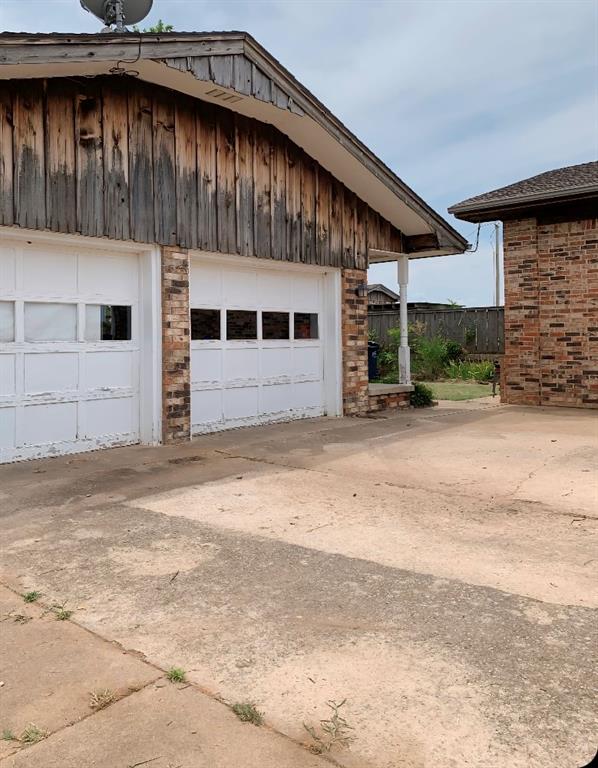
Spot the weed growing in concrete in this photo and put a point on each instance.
(61, 612)
(8, 735)
(176, 675)
(31, 597)
(331, 733)
(248, 713)
(32, 734)
(101, 698)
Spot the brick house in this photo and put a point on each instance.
(550, 239)
(184, 237)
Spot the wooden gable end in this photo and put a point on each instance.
(113, 157)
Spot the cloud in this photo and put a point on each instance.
(457, 97)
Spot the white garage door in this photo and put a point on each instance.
(257, 345)
(69, 349)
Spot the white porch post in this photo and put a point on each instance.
(404, 351)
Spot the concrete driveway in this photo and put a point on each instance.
(437, 569)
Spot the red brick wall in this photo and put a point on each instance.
(389, 401)
(551, 313)
(176, 378)
(355, 344)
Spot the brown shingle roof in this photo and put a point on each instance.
(545, 187)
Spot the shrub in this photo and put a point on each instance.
(480, 371)
(454, 350)
(430, 358)
(421, 397)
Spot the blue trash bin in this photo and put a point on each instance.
(373, 348)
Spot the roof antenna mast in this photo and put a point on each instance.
(118, 13)
(115, 14)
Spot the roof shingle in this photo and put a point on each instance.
(560, 181)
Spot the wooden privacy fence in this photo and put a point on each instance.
(479, 329)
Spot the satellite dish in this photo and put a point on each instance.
(118, 12)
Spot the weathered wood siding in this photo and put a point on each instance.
(113, 157)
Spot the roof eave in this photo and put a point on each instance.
(497, 209)
(160, 46)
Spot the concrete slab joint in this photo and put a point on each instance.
(176, 356)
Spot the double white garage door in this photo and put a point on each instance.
(80, 345)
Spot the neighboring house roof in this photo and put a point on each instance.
(378, 287)
(563, 185)
(232, 69)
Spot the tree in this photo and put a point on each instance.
(156, 29)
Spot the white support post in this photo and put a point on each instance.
(404, 351)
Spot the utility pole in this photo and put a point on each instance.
(496, 264)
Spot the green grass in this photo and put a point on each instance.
(61, 613)
(31, 597)
(176, 675)
(459, 390)
(248, 713)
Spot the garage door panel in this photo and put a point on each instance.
(206, 406)
(49, 423)
(8, 269)
(7, 374)
(109, 277)
(240, 403)
(49, 272)
(51, 372)
(276, 398)
(306, 294)
(206, 365)
(276, 362)
(239, 288)
(7, 427)
(111, 417)
(307, 362)
(275, 290)
(240, 364)
(110, 369)
(308, 394)
(206, 289)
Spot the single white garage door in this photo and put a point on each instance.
(257, 344)
(69, 349)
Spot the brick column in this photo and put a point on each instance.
(355, 344)
(176, 378)
(521, 361)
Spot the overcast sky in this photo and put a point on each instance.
(456, 97)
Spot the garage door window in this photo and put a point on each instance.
(50, 322)
(107, 322)
(205, 324)
(306, 325)
(241, 325)
(7, 321)
(275, 325)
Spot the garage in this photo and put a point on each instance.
(71, 357)
(262, 343)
